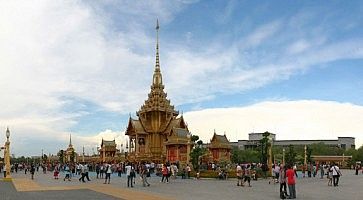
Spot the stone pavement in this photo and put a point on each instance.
(45, 187)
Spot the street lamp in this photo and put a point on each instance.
(283, 156)
(270, 156)
(305, 156)
(7, 156)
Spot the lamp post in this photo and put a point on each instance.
(283, 156)
(270, 156)
(305, 156)
(7, 156)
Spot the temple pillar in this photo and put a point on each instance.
(177, 152)
(137, 150)
(103, 154)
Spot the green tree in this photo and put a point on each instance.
(359, 154)
(264, 144)
(308, 154)
(290, 155)
(61, 156)
(194, 138)
(196, 155)
(245, 156)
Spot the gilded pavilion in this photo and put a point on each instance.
(158, 134)
(108, 151)
(70, 154)
(220, 148)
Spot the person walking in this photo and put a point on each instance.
(97, 170)
(291, 182)
(247, 175)
(56, 171)
(68, 173)
(32, 170)
(165, 173)
(108, 174)
(130, 173)
(86, 170)
(330, 176)
(188, 169)
(321, 168)
(336, 174)
(239, 175)
(282, 180)
(102, 169)
(144, 171)
(83, 174)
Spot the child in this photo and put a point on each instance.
(56, 172)
(330, 177)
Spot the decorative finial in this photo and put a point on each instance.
(157, 78)
(157, 65)
(70, 139)
(7, 133)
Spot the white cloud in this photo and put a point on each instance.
(52, 49)
(298, 47)
(294, 120)
(262, 33)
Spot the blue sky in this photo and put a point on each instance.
(83, 67)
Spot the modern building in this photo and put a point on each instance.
(254, 140)
(158, 134)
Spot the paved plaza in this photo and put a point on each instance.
(45, 187)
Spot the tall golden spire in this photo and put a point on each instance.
(157, 78)
(157, 64)
(70, 140)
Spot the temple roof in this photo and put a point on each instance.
(222, 139)
(178, 136)
(108, 143)
(219, 141)
(180, 132)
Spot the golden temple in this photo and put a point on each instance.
(158, 134)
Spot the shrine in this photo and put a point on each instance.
(108, 151)
(220, 148)
(70, 154)
(158, 134)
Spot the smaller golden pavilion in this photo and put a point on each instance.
(220, 148)
(71, 155)
(108, 151)
(178, 145)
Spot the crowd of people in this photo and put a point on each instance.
(284, 175)
(80, 171)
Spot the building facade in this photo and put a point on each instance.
(254, 140)
(158, 134)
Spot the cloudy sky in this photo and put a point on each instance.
(293, 68)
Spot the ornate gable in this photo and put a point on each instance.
(219, 141)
